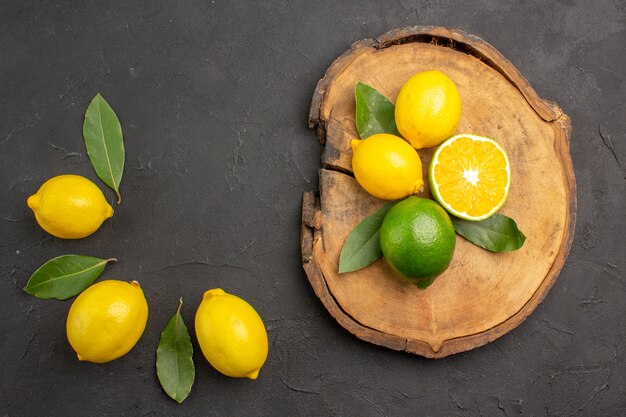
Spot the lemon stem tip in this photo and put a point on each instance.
(33, 201)
(213, 292)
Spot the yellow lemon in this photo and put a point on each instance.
(69, 206)
(231, 334)
(386, 166)
(106, 320)
(428, 109)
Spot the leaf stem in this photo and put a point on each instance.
(180, 304)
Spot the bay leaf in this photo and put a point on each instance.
(105, 144)
(65, 276)
(362, 247)
(174, 358)
(374, 112)
(497, 233)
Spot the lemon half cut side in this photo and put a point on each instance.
(470, 176)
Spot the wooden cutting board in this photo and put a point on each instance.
(482, 295)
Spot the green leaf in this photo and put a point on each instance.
(362, 247)
(174, 362)
(65, 276)
(374, 112)
(497, 233)
(105, 145)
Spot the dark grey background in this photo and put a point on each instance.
(213, 98)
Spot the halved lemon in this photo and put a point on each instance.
(470, 176)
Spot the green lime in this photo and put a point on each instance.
(417, 239)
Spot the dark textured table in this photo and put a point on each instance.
(213, 98)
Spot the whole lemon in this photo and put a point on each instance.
(106, 320)
(386, 166)
(69, 206)
(418, 239)
(428, 109)
(231, 334)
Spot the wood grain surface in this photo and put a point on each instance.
(482, 295)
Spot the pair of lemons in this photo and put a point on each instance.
(108, 318)
(427, 112)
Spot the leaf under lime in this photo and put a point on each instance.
(362, 247)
